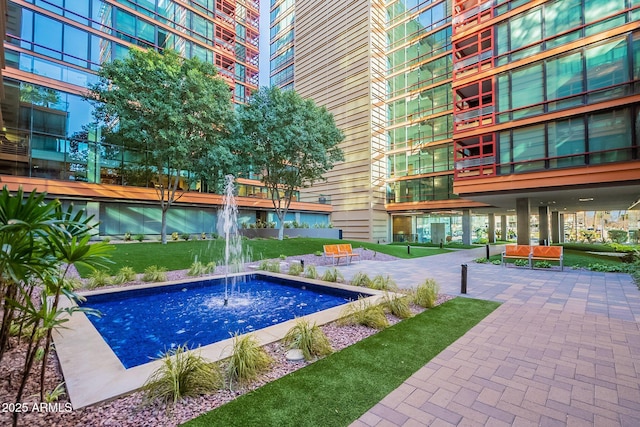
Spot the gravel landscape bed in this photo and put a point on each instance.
(129, 410)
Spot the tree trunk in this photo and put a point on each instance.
(163, 228)
(281, 231)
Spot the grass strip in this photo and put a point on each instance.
(337, 390)
(181, 254)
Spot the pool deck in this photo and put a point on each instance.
(563, 349)
(93, 373)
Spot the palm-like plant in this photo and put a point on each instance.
(39, 242)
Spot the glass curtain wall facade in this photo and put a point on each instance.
(53, 50)
(419, 100)
(282, 18)
(569, 64)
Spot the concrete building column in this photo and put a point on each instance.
(491, 231)
(504, 227)
(466, 227)
(523, 215)
(543, 225)
(555, 227)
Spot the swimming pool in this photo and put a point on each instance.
(140, 324)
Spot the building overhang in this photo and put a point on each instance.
(75, 190)
(614, 186)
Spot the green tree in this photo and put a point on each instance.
(290, 141)
(175, 112)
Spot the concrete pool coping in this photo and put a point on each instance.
(94, 374)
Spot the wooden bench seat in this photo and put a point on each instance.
(547, 253)
(517, 252)
(347, 249)
(533, 253)
(333, 252)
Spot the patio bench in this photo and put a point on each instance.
(347, 249)
(333, 252)
(516, 252)
(547, 253)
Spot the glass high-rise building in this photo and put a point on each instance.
(48, 141)
(491, 109)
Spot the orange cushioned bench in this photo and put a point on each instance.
(333, 252)
(547, 253)
(347, 249)
(517, 252)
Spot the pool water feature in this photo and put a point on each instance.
(139, 325)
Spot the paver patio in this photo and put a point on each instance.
(563, 349)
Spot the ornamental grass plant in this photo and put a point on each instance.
(308, 338)
(248, 361)
(182, 373)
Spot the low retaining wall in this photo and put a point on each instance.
(266, 233)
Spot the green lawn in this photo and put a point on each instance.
(181, 254)
(338, 389)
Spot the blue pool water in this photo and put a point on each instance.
(140, 325)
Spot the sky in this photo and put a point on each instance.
(264, 43)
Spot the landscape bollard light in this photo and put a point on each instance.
(463, 283)
(488, 253)
(302, 263)
(408, 249)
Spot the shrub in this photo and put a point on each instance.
(175, 235)
(283, 257)
(496, 262)
(153, 273)
(318, 253)
(398, 305)
(481, 260)
(308, 338)
(186, 236)
(383, 283)
(54, 395)
(125, 274)
(332, 275)
(542, 264)
(521, 263)
(127, 236)
(198, 268)
(182, 373)
(361, 279)
(618, 236)
(139, 237)
(98, 278)
(364, 313)
(295, 269)
(426, 294)
(248, 360)
(106, 239)
(203, 236)
(310, 272)
(271, 266)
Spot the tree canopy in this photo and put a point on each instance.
(172, 116)
(290, 141)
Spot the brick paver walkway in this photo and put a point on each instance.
(563, 349)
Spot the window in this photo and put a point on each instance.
(566, 141)
(609, 131)
(565, 78)
(561, 16)
(607, 66)
(528, 146)
(48, 37)
(527, 89)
